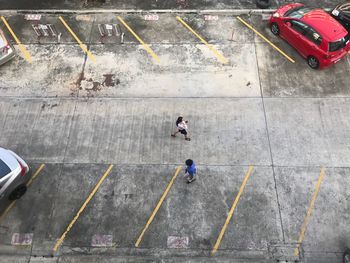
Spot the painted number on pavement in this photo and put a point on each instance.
(22, 239)
(152, 17)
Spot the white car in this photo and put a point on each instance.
(7, 51)
(13, 175)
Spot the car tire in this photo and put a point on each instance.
(263, 4)
(18, 192)
(313, 62)
(275, 29)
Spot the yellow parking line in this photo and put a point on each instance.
(264, 38)
(83, 47)
(28, 184)
(211, 47)
(21, 47)
(158, 206)
(35, 174)
(309, 211)
(60, 240)
(230, 214)
(148, 49)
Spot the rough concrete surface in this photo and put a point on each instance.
(78, 116)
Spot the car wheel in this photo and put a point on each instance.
(275, 29)
(263, 4)
(18, 192)
(313, 62)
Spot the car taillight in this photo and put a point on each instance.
(5, 48)
(23, 169)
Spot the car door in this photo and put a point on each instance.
(294, 33)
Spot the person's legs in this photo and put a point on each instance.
(184, 132)
(191, 178)
(174, 134)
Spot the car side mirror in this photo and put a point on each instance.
(288, 24)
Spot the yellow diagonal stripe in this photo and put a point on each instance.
(309, 211)
(148, 49)
(230, 214)
(60, 240)
(28, 184)
(35, 174)
(21, 47)
(83, 47)
(157, 207)
(264, 38)
(211, 47)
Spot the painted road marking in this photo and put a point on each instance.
(83, 47)
(309, 211)
(22, 239)
(230, 214)
(21, 47)
(146, 47)
(264, 38)
(60, 240)
(28, 184)
(211, 47)
(178, 169)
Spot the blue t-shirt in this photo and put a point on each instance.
(191, 169)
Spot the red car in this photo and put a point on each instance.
(314, 33)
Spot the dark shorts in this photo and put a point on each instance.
(184, 132)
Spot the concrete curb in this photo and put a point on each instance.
(138, 11)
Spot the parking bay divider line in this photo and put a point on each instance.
(146, 47)
(178, 169)
(309, 212)
(36, 173)
(82, 46)
(211, 47)
(21, 47)
(264, 38)
(60, 240)
(230, 214)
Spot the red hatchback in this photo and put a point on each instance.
(313, 32)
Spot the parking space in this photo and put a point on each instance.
(31, 214)
(48, 29)
(199, 211)
(327, 230)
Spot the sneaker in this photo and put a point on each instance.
(191, 180)
(187, 139)
(173, 135)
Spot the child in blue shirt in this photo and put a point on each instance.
(190, 170)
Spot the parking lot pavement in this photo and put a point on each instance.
(302, 131)
(153, 4)
(78, 115)
(136, 131)
(46, 124)
(327, 229)
(195, 212)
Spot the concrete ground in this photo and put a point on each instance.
(151, 4)
(77, 116)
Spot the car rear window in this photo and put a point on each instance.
(341, 43)
(298, 12)
(4, 169)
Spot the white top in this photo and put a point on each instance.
(182, 125)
